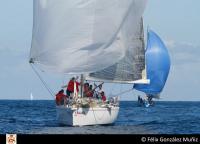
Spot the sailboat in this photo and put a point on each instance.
(158, 67)
(31, 96)
(99, 40)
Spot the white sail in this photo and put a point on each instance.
(129, 69)
(31, 96)
(83, 36)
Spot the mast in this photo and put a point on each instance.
(82, 84)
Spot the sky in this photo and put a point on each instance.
(175, 21)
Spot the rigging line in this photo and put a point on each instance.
(123, 92)
(43, 82)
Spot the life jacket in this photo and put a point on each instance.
(70, 86)
(59, 97)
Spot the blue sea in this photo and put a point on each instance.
(39, 117)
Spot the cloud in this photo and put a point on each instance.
(183, 52)
(183, 81)
(170, 43)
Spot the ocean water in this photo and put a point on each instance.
(39, 117)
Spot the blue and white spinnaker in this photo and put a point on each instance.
(157, 65)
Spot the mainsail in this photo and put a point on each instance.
(89, 36)
(128, 69)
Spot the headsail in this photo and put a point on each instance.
(158, 65)
(130, 68)
(83, 36)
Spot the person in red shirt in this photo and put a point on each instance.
(88, 92)
(103, 97)
(60, 98)
(70, 86)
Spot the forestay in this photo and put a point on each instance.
(83, 36)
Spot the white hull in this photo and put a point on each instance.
(86, 116)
